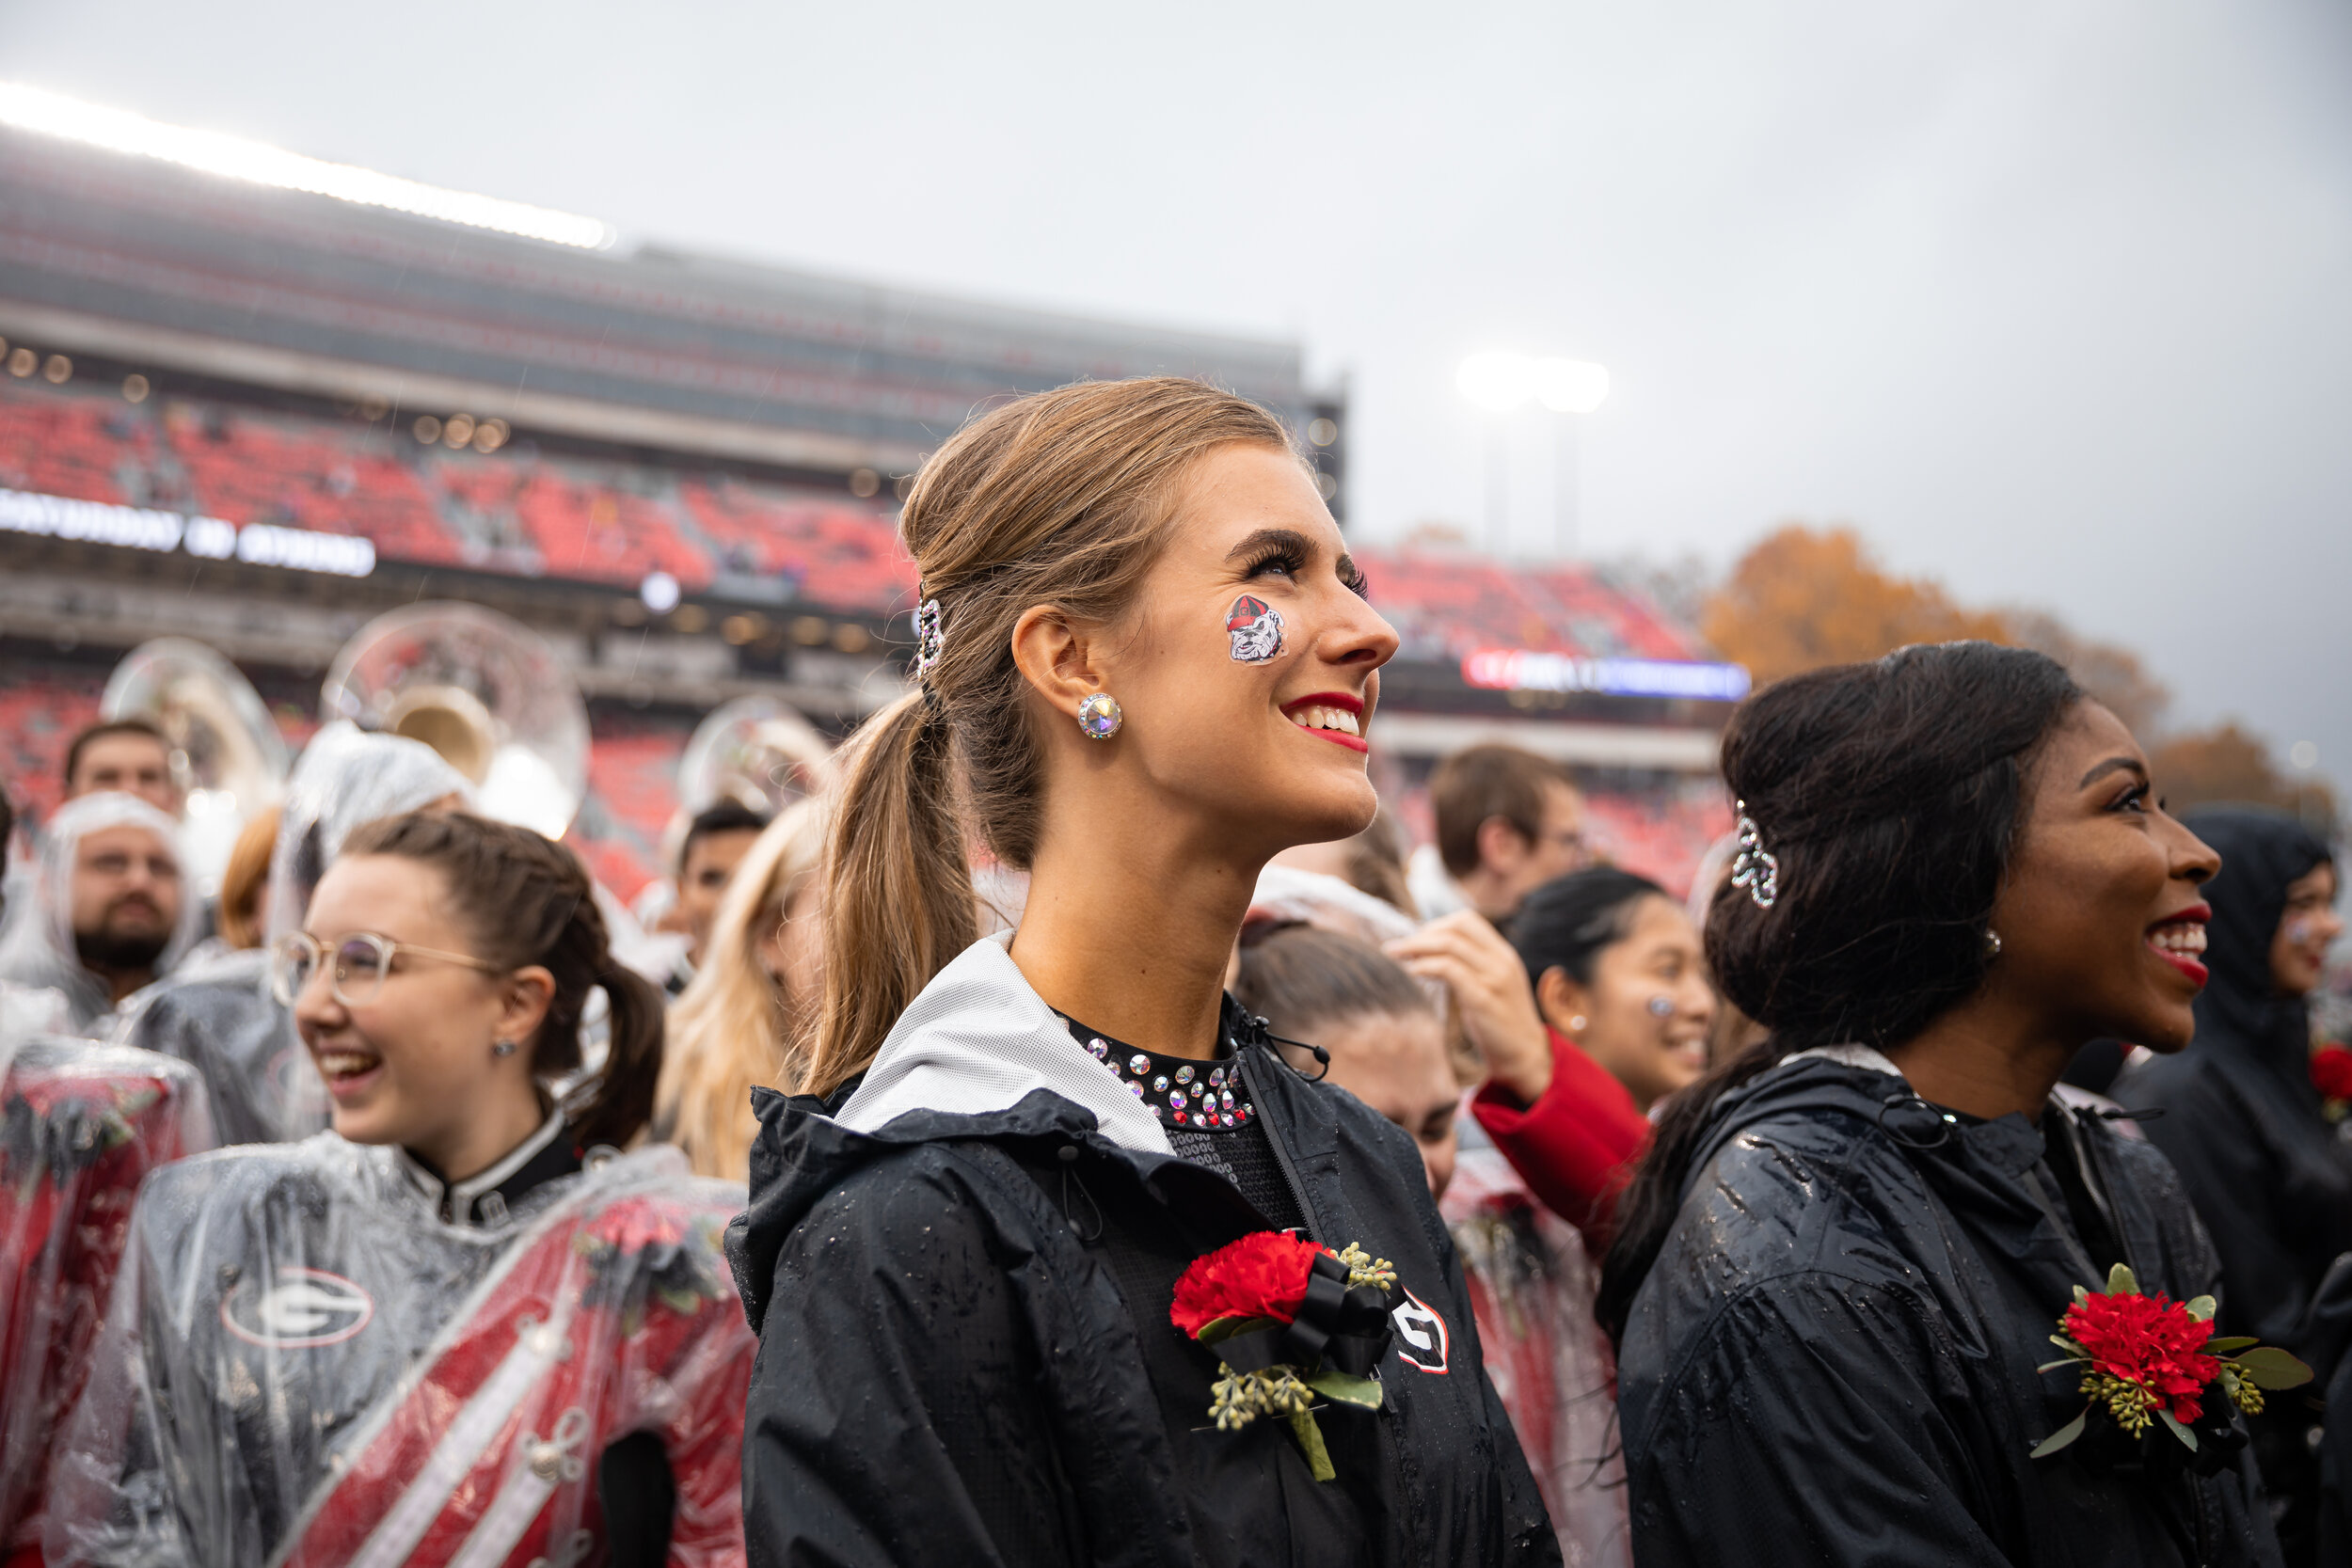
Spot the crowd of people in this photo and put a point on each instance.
(1081, 1131)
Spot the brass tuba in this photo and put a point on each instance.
(229, 757)
(755, 750)
(485, 691)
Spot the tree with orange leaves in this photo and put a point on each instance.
(1800, 599)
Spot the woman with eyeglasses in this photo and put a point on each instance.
(460, 1327)
(219, 1016)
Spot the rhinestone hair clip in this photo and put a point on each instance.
(1755, 868)
(930, 637)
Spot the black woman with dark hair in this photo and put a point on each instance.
(1838, 1271)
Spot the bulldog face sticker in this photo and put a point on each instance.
(1255, 627)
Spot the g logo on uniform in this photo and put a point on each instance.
(302, 1310)
(1422, 1340)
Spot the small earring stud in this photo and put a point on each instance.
(1992, 943)
(1099, 716)
(502, 1047)
(1576, 1024)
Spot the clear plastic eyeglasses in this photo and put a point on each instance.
(361, 960)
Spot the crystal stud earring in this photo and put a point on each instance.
(1992, 942)
(502, 1047)
(1576, 1024)
(1099, 716)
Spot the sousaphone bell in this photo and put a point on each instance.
(758, 750)
(229, 759)
(486, 692)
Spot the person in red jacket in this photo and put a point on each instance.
(1569, 1128)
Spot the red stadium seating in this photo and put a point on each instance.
(1443, 605)
(1661, 838)
(585, 531)
(632, 778)
(841, 556)
(327, 477)
(78, 447)
(39, 718)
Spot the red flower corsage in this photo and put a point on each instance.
(2151, 1358)
(2331, 1074)
(1288, 1320)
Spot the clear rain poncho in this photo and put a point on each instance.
(307, 1365)
(1531, 1287)
(221, 1015)
(36, 949)
(81, 1125)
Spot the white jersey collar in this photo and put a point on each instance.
(977, 1039)
(457, 1198)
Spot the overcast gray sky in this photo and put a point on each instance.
(2052, 300)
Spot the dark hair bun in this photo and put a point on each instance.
(1890, 793)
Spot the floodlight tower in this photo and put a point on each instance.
(1503, 381)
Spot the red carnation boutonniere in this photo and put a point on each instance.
(1288, 1320)
(2151, 1358)
(2331, 1074)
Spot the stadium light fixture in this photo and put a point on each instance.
(235, 157)
(1571, 386)
(1500, 382)
(1505, 381)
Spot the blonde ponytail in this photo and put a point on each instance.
(901, 902)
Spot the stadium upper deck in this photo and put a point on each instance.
(147, 262)
(259, 415)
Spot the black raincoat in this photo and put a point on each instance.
(1832, 1361)
(965, 1356)
(2242, 1123)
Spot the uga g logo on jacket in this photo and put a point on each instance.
(1421, 1338)
(300, 1309)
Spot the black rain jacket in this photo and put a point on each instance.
(1833, 1360)
(965, 1356)
(2269, 1173)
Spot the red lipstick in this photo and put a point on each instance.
(1345, 702)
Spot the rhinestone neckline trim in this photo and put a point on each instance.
(1185, 1095)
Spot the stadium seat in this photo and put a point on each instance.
(839, 555)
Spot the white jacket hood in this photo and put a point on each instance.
(979, 1040)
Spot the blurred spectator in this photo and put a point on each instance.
(1373, 862)
(1616, 969)
(1386, 1040)
(1508, 821)
(107, 912)
(718, 838)
(241, 919)
(1564, 1122)
(130, 755)
(1530, 1283)
(219, 1017)
(2243, 1121)
(742, 1018)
